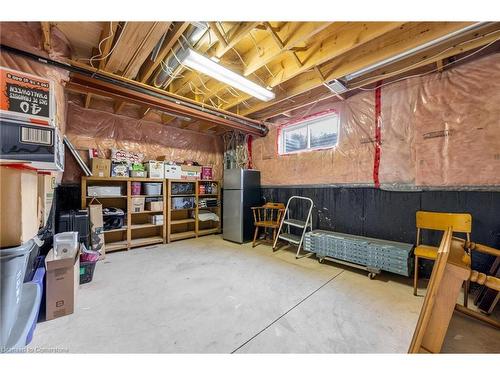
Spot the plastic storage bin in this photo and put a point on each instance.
(28, 311)
(179, 203)
(152, 188)
(65, 244)
(38, 279)
(86, 272)
(135, 188)
(32, 263)
(13, 262)
(104, 191)
(179, 188)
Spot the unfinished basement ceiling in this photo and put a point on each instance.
(290, 58)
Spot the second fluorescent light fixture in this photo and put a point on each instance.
(206, 66)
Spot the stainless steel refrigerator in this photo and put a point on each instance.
(241, 192)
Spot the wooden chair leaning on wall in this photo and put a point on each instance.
(442, 292)
(267, 216)
(461, 223)
(451, 269)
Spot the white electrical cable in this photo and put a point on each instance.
(93, 58)
(170, 71)
(231, 93)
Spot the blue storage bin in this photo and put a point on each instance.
(39, 280)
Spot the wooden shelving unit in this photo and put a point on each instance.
(208, 227)
(137, 230)
(184, 222)
(178, 223)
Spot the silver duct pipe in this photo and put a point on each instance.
(170, 66)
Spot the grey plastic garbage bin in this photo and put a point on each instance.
(13, 262)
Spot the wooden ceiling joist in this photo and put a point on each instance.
(366, 55)
(46, 35)
(397, 69)
(119, 104)
(182, 85)
(88, 99)
(133, 45)
(218, 34)
(156, 33)
(348, 37)
(282, 40)
(107, 37)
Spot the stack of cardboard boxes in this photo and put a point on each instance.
(26, 200)
(153, 169)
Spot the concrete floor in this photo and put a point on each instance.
(207, 295)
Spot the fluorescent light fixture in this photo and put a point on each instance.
(206, 66)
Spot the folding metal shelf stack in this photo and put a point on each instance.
(373, 254)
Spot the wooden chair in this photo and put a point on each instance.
(461, 223)
(437, 309)
(451, 269)
(267, 216)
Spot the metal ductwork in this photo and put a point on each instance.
(171, 66)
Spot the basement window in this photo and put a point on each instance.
(314, 133)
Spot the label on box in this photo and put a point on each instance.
(155, 169)
(173, 171)
(119, 170)
(25, 96)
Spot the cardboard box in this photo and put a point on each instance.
(156, 219)
(37, 92)
(101, 167)
(206, 172)
(46, 186)
(137, 204)
(97, 228)
(156, 169)
(40, 146)
(19, 215)
(119, 169)
(154, 206)
(190, 175)
(191, 168)
(62, 281)
(173, 171)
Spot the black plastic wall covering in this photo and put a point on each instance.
(390, 215)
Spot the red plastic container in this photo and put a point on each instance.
(136, 188)
(206, 173)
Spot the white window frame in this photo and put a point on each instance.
(306, 123)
